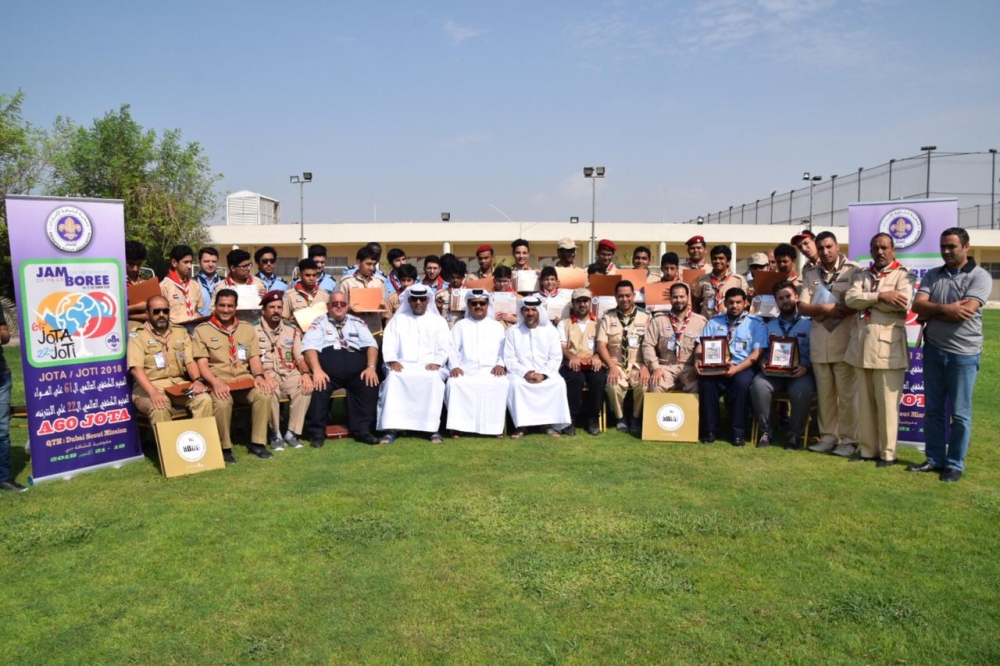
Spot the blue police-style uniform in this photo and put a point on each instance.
(800, 390)
(273, 283)
(207, 285)
(746, 335)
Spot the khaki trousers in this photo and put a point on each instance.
(260, 413)
(616, 393)
(879, 393)
(679, 377)
(200, 406)
(837, 399)
(298, 404)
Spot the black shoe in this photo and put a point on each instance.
(738, 442)
(364, 438)
(951, 474)
(635, 427)
(593, 428)
(793, 444)
(708, 438)
(925, 467)
(13, 486)
(764, 441)
(259, 450)
(227, 456)
(857, 457)
(886, 463)
(622, 425)
(317, 442)
(569, 430)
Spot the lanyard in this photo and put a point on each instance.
(785, 330)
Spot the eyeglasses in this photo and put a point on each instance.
(267, 260)
(244, 267)
(160, 311)
(418, 298)
(338, 304)
(477, 304)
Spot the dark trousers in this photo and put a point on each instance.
(737, 392)
(595, 381)
(344, 370)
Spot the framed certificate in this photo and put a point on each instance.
(782, 356)
(714, 355)
(764, 305)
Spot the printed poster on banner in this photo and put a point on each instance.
(915, 227)
(68, 261)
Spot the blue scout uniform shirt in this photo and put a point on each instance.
(207, 285)
(799, 328)
(323, 333)
(272, 283)
(348, 272)
(327, 283)
(749, 335)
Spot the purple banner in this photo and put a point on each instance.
(68, 258)
(916, 228)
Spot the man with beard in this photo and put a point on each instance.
(746, 336)
(342, 354)
(285, 371)
(477, 388)
(159, 356)
(669, 344)
(709, 290)
(182, 293)
(696, 255)
(798, 385)
(305, 291)
(532, 355)
(878, 349)
(619, 339)
(227, 352)
(823, 290)
(208, 276)
(415, 346)
(581, 365)
(484, 256)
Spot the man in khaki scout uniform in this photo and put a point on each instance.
(833, 324)
(878, 349)
(285, 370)
(159, 356)
(581, 366)
(227, 351)
(668, 347)
(709, 291)
(305, 291)
(365, 278)
(182, 293)
(619, 340)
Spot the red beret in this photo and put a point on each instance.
(271, 297)
(606, 243)
(798, 238)
(486, 247)
(695, 239)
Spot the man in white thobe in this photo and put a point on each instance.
(532, 353)
(415, 347)
(477, 386)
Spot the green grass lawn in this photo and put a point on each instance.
(583, 550)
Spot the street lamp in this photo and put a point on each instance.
(700, 220)
(993, 187)
(812, 181)
(593, 173)
(927, 195)
(891, 162)
(860, 169)
(445, 217)
(301, 181)
(574, 220)
(772, 206)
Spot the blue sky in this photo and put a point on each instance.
(691, 106)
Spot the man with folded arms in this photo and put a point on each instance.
(581, 365)
(342, 354)
(822, 299)
(160, 356)
(619, 339)
(182, 293)
(285, 370)
(477, 387)
(532, 354)
(305, 291)
(798, 385)
(709, 291)
(415, 348)
(227, 352)
(878, 349)
(669, 344)
(746, 336)
(950, 300)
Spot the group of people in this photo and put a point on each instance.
(417, 363)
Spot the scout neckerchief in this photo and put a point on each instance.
(785, 330)
(548, 294)
(700, 265)
(734, 325)
(268, 281)
(307, 295)
(185, 287)
(206, 282)
(231, 283)
(830, 277)
(626, 322)
(876, 277)
(283, 356)
(340, 332)
(394, 281)
(678, 332)
(231, 334)
(717, 286)
(436, 284)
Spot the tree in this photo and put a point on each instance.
(167, 186)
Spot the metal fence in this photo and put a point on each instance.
(970, 177)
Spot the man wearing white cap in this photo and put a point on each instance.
(415, 346)
(477, 388)
(566, 249)
(532, 354)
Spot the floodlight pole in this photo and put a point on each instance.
(306, 177)
(593, 173)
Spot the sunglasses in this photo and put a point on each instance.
(267, 261)
(339, 304)
(477, 304)
(418, 298)
(160, 310)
